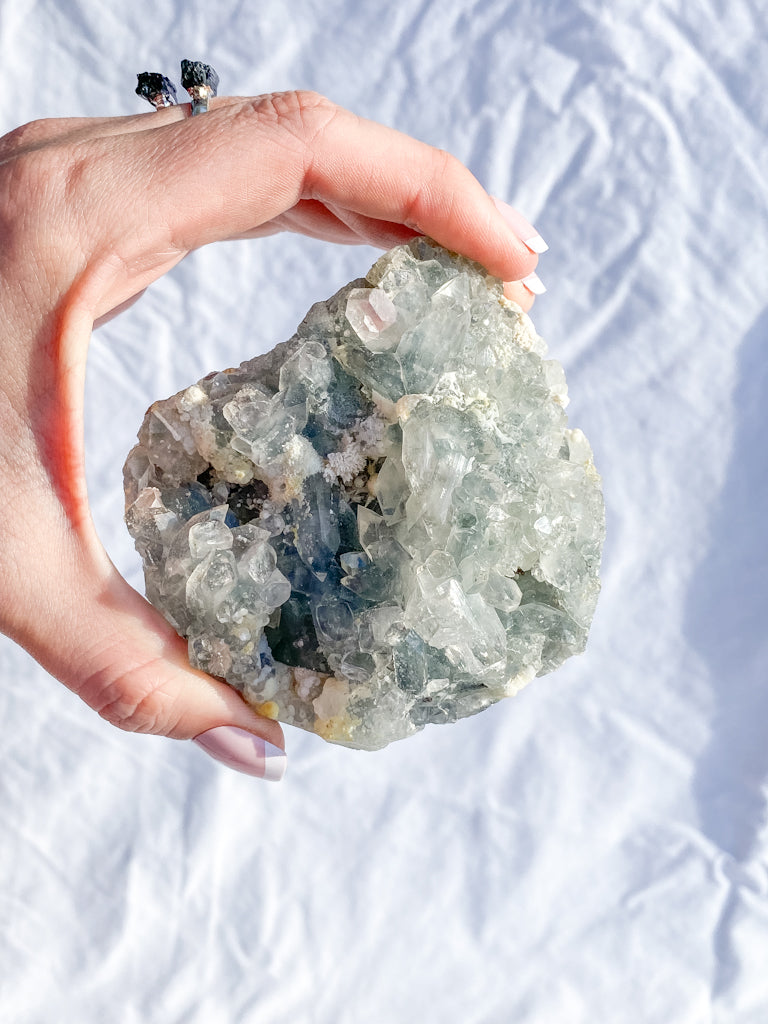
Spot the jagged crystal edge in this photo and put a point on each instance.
(384, 521)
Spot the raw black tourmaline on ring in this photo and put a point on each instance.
(156, 89)
(201, 82)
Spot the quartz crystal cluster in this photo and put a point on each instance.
(383, 522)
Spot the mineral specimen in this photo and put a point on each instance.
(383, 522)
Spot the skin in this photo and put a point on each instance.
(92, 211)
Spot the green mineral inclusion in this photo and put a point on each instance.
(385, 521)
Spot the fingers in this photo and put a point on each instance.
(45, 131)
(249, 161)
(67, 130)
(380, 173)
(524, 292)
(250, 167)
(92, 631)
(312, 218)
(245, 163)
(135, 672)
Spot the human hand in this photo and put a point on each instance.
(91, 212)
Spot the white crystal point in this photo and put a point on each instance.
(371, 314)
(382, 523)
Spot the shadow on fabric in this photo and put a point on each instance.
(727, 621)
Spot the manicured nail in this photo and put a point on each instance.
(525, 231)
(534, 284)
(244, 752)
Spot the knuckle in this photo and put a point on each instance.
(295, 120)
(299, 112)
(134, 700)
(34, 133)
(309, 101)
(79, 179)
(301, 104)
(434, 186)
(444, 161)
(314, 113)
(446, 171)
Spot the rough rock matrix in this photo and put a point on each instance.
(383, 522)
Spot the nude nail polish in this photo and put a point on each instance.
(534, 284)
(525, 231)
(242, 751)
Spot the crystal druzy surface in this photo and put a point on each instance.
(385, 521)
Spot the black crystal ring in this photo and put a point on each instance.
(201, 82)
(156, 89)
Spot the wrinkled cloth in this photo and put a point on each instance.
(595, 849)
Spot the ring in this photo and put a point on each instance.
(201, 82)
(156, 89)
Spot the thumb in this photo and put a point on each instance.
(138, 677)
(108, 644)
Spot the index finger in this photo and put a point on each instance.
(242, 164)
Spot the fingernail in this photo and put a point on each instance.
(534, 284)
(244, 752)
(525, 231)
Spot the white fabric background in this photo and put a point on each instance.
(595, 850)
